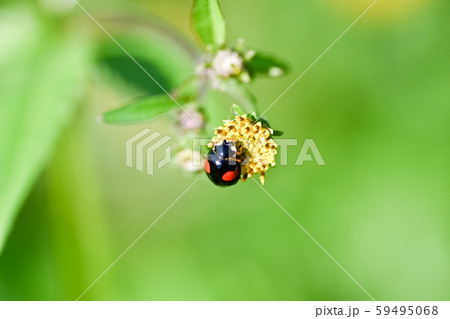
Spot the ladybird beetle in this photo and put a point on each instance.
(221, 165)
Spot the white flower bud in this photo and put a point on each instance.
(275, 72)
(227, 63)
(249, 55)
(189, 160)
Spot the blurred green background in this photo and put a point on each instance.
(377, 106)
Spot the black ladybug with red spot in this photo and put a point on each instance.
(221, 165)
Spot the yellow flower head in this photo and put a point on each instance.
(256, 148)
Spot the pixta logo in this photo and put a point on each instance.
(309, 152)
(141, 150)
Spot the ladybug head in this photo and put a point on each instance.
(225, 150)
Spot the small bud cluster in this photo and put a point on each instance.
(256, 148)
(227, 63)
(187, 158)
(190, 122)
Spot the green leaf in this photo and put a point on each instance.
(140, 110)
(237, 110)
(209, 22)
(168, 58)
(43, 70)
(277, 133)
(252, 116)
(267, 65)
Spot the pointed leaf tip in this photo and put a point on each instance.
(209, 23)
(140, 110)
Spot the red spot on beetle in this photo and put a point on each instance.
(229, 176)
(207, 167)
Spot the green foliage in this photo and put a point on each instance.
(209, 22)
(140, 110)
(277, 133)
(167, 59)
(238, 110)
(157, 57)
(266, 65)
(42, 77)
